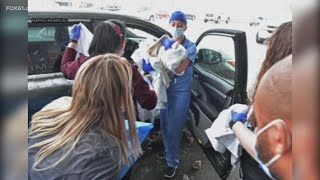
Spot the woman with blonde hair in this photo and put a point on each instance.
(85, 137)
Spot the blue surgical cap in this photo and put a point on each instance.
(178, 16)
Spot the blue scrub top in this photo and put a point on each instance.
(184, 82)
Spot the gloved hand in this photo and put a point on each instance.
(147, 66)
(167, 43)
(75, 32)
(236, 116)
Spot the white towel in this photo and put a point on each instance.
(84, 41)
(152, 51)
(222, 137)
(172, 58)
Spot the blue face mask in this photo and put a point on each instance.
(265, 166)
(177, 32)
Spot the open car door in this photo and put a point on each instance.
(219, 80)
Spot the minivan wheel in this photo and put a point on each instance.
(205, 20)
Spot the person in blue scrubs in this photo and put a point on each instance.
(174, 117)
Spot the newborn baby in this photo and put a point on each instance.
(160, 57)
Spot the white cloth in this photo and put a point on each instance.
(153, 52)
(222, 137)
(172, 58)
(84, 41)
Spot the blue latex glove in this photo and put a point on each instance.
(75, 32)
(167, 43)
(239, 116)
(147, 67)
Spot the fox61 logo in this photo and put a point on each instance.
(16, 8)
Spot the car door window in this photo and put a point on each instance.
(216, 55)
(46, 45)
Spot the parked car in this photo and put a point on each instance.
(217, 18)
(256, 21)
(266, 30)
(63, 2)
(216, 83)
(162, 15)
(191, 17)
(111, 7)
(86, 4)
(222, 17)
(210, 17)
(148, 15)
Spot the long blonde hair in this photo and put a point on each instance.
(102, 97)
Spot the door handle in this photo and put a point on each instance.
(196, 94)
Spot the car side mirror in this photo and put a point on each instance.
(209, 56)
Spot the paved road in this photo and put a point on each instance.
(150, 168)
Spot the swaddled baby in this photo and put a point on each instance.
(160, 57)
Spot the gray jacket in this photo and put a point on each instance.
(95, 157)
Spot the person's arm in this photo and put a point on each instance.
(73, 45)
(69, 65)
(192, 53)
(183, 66)
(146, 98)
(246, 138)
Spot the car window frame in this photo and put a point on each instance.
(215, 74)
(70, 22)
(241, 55)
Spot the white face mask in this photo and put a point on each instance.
(265, 167)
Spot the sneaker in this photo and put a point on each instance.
(161, 155)
(169, 172)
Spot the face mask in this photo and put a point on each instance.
(177, 32)
(265, 167)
